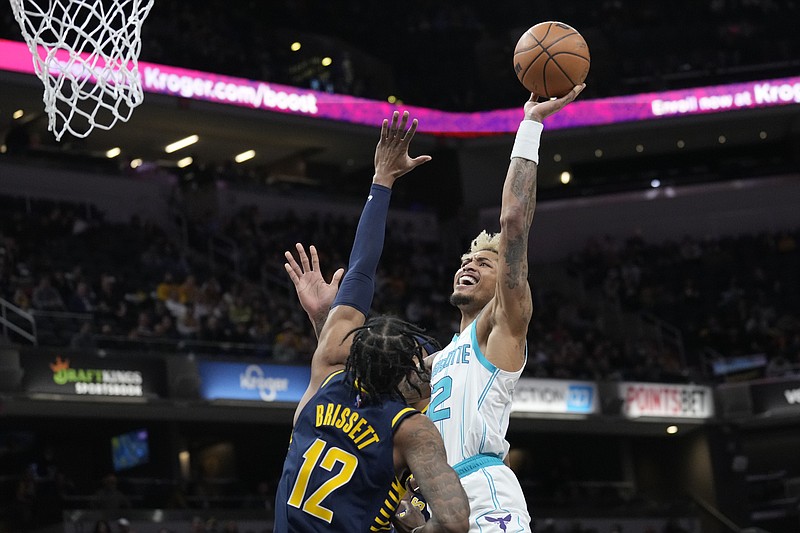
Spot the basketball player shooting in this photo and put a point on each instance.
(354, 436)
(481, 366)
(473, 378)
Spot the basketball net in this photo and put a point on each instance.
(86, 54)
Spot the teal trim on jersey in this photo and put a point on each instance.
(463, 425)
(482, 358)
(488, 366)
(475, 463)
(488, 387)
(492, 488)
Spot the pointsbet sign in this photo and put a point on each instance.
(666, 400)
(92, 376)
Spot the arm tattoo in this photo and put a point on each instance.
(319, 323)
(523, 188)
(438, 482)
(515, 259)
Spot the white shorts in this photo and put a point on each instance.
(496, 501)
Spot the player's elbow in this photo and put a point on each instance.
(457, 517)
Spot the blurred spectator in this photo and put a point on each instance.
(240, 333)
(102, 526)
(167, 287)
(287, 346)
(45, 297)
(188, 291)
(84, 338)
(82, 299)
(187, 326)
(110, 304)
(165, 328)
(261, 332)
(240, 311)
(211, 330)
(144, 327)
(173, 302)
(21, 299)
(733, 296)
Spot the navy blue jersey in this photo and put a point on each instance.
(339, 471)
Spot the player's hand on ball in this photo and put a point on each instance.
(407, 517)
(538, 111)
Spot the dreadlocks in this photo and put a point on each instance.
(384, 350)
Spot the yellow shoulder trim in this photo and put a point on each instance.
(333, 374)
(401, 413)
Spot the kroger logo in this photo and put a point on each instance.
(579, 398)
(267, 387)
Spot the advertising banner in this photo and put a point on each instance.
(775, 395)
(555, 396)
(93, 376)
(668, 400)
(246, 381)
(217, 88)
(739, 364)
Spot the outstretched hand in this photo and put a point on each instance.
(315, 294)
(538, 111)
(391, 154)
(407, 517)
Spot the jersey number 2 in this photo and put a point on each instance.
(313, 504)
(440, 392)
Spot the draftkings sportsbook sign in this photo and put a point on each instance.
(93, 376)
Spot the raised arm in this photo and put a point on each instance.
(419, 447)
(354, 297)
(314, 293)
(512, 306)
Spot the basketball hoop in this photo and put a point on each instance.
(86, 54)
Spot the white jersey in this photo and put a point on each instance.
(470, 399)
(470, 406)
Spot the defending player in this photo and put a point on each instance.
(473, 378)
(316, 298)
(354, 436)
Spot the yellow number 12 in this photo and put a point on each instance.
(313, 504)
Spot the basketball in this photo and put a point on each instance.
(551, 58)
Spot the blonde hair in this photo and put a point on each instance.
(484, 241)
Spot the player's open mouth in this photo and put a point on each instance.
(466, 280)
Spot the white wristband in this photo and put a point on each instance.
(526, 144)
